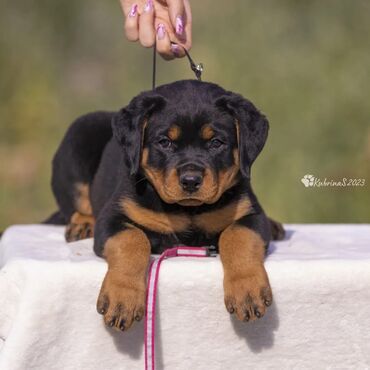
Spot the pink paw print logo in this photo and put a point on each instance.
(308, 180)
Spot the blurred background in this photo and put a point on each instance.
(305, 64)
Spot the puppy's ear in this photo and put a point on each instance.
(129, 124)
(252, 128)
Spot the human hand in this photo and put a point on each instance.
(160, 22)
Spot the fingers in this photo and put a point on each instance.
(177, 11)
(185, 39)
(146, 25)
(149, 25)
(164, 47)
(188, 25)
(132, 24)
(163, 42)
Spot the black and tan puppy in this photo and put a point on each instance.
(171, 168)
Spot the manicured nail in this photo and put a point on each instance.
(133, 11)
(148, 6)
(175, 49)
(179, 25)
(161, 31)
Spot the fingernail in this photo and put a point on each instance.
(179, 25)
(161, 31)
(133, 11)
(175, 49)
(148, 6)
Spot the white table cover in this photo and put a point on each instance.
(320, 318)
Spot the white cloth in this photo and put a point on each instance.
(320, 276)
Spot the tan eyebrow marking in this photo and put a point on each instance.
(207, 132)
(174, 132)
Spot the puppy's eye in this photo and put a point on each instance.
(165, 142)
(215, 144)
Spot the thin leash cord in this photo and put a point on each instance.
(196, 68)
(154, 65)
(151, 296)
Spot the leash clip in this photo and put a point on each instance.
(211, 251)
(197, 68)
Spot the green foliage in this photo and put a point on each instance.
(305, 64)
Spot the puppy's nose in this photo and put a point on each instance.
(191, 182)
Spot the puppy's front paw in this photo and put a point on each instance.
(249, 294)
(79, 227)
(121, 301)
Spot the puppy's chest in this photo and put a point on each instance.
(160, 242)
(208, 223)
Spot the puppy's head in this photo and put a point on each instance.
(192, 140)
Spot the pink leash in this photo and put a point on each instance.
(151, 295)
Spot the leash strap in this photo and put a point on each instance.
(181, 251)
(196, 68)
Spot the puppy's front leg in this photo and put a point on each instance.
(246, 285)
(122, 295)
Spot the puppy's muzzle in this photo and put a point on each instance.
(190, 177)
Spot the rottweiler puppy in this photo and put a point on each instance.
(171, 168)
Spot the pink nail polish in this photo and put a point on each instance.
(179, 25)
(148, 6)
(133, 11)
(161, 31)
(175, 49)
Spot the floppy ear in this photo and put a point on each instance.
(252, 128)
(129, 123)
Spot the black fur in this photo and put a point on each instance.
(111, 165)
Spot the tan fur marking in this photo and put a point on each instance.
(122, 295)
(174, 132)
(156, 221)
(145, 124)
(237, 131)
(128, 252)
(246, 286)
(228, 178)
(218, 220)
(156, 177)
(78, 218)
(172, 182)
(240, 246)
(169, 189)
(82, 201)
(166, 186)
(207, 132)
(79, 227)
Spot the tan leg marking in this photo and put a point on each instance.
(246, 285)
(82, 200)
(79, 227)
(122, 295)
